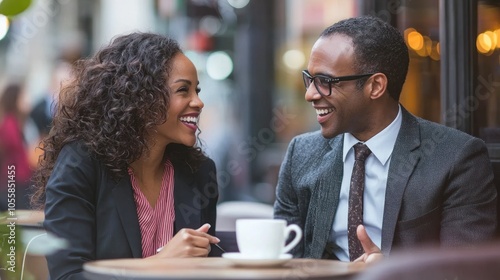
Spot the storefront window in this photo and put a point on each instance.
(419, 20)
(486, 99)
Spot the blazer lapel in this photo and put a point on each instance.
(188, 200)
(127, 211)
(326, 195)
(404, 158)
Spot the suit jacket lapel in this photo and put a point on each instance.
(127, 211)
(188, 200)
(404, 158)
(326, 195)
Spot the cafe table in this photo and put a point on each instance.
(217, 268)
(29, 218)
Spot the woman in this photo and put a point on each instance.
(14, 163)
(120, 175)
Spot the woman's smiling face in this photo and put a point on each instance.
(185, 105)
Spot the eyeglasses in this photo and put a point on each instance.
(323, 83)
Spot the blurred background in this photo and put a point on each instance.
(250, 54)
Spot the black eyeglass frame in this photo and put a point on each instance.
(307, 77)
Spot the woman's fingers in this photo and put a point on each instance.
(201, 232)
(189, 243)
(204, 227)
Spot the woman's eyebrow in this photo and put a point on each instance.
(186, 81)
(183, 81)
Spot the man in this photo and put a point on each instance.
(422, 183)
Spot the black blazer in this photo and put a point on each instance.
(97, 214)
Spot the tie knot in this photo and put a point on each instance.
(361, 151)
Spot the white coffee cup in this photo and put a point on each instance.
(265, 238)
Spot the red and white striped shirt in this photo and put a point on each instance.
(156, 224)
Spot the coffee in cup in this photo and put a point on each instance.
(265, 238)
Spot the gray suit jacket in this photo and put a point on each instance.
(439, 189)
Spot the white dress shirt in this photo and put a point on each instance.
(376, 170)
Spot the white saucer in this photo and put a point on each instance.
(241, 260)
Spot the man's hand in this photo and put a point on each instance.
(372, 252)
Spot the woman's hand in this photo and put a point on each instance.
(188, 243)
(372, 253)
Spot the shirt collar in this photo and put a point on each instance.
(381, 144)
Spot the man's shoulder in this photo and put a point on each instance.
(308, 137)
(314, 140)
(446, 139)
(436, 130)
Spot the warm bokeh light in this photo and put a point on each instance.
(434, 53)
(427, 45)
(294, 59)
(4, 26)
(494, 39)
(484, 43)
(415, 40)
(219, 65)
(425, 50)
(497, 34)
(407, 31)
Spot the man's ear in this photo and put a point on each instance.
(377, 85)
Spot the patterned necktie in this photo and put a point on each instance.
(355, 215)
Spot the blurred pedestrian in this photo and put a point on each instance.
(14, 166)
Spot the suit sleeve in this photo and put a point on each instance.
(470, 200)
(286, 206)
(210, 187)
(70, 211)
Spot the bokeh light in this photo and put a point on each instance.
(484, 43)
(493, 37)
(294, 59)
(210, 24)
(219, 65)
(238, 4)
(497, 34)
(4, 26)
(434, 52)
(415, 40)
(428, 45)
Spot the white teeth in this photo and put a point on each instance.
(324, 111)
(189, 119)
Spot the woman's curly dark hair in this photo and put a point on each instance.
(116, 97)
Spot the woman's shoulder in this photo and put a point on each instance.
(76, 147)
(207, 163)
(204, 165)
(76, 153)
